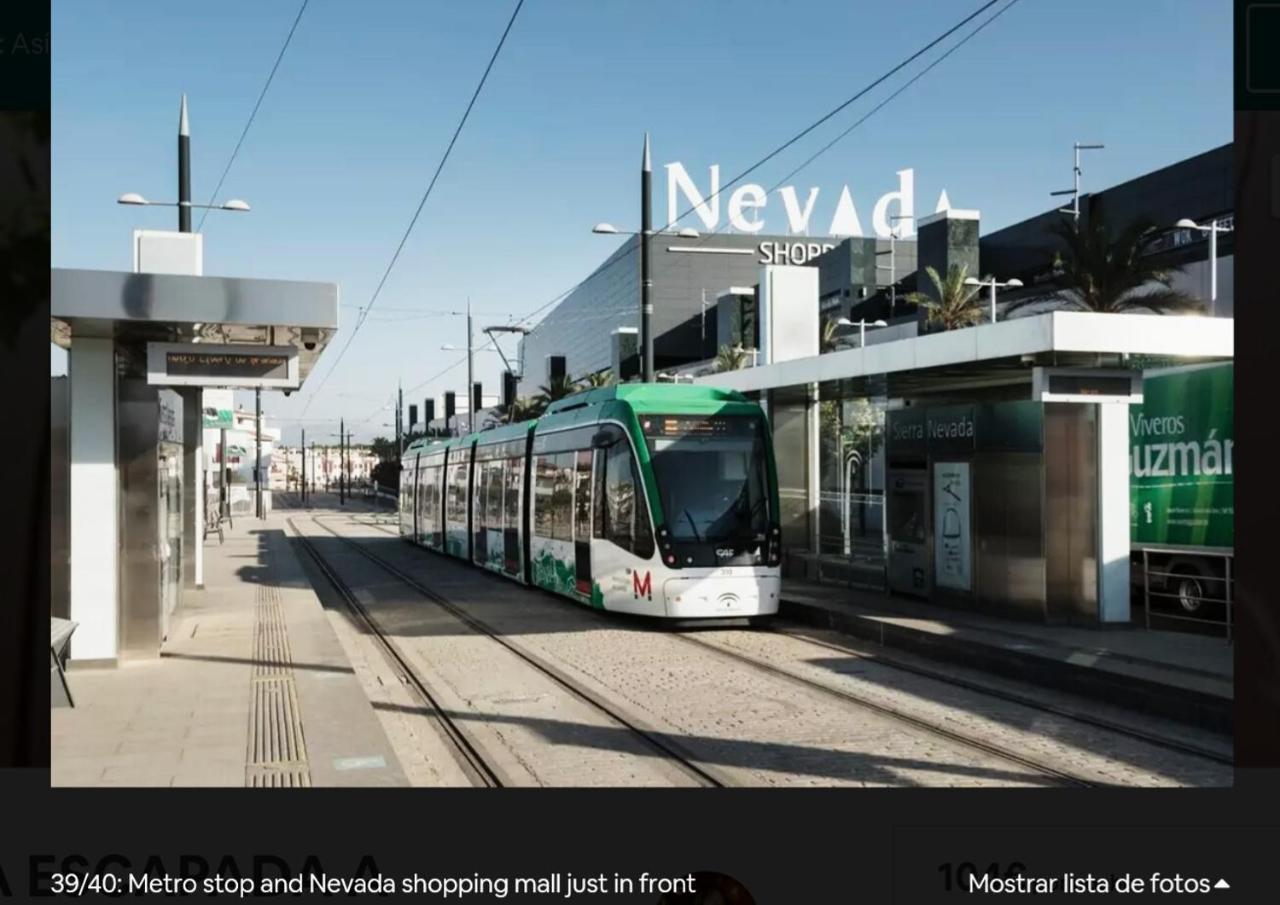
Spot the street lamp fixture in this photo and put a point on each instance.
(608, 229)
(233, 204)
(862, 326)
(1215, 226)
(1014, 283)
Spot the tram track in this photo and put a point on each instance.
(1006, 696)
(1012, 697)
(474, 763)
(664, 747)
(1062, 776)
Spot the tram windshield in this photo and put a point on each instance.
(711, 475)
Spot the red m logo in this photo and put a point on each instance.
(642, 586)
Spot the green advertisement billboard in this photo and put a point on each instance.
(1181, 444)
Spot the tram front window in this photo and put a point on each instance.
(711, 476)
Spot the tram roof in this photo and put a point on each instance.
(653, 397)
(657, 398)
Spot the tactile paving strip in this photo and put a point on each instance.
(277, 756)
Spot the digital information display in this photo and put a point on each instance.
(698, 426)
(199, 364)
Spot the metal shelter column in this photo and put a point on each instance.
(193, 493)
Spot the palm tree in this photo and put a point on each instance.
(828, 341)
(521, 409)
(957, 305)
(597, 379)
(1112, 274)
(555, 388)
(730, 358)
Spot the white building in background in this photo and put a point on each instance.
(323, 464)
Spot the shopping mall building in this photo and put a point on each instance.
(1023, 418)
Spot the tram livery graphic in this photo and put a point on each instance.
(653, 499)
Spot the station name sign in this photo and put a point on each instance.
(219, 365)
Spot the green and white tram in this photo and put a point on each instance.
(659, 499)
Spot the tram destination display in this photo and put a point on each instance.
(205, 364)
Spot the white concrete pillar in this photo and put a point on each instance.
(94, 504)
(1113, 511)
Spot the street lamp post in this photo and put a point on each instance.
(646, 282)
(1215, 226)
(1014, 283)
(257, 442)
(1074, 191)
(893, 262)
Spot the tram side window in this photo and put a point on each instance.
(424, 497)
(626, 516)
(512, 494)
(582, 496)
(450, 492)
(544, 487)
(493, 494)
(477, 504)
(562, 497)
(458, 493)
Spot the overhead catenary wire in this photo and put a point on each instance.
(227, 169)
(870, 113)
(634, 246)
(422, 203)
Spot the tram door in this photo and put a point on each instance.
(582, 508)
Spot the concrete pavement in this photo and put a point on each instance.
(252, 687)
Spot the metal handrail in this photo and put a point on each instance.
(1148, 573)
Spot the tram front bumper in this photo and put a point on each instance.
(721, 596)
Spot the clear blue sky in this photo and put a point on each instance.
(368, 95)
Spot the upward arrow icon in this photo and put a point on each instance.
(1222, 884)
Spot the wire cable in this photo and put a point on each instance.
(803, 132)
(635, 245)
(866, 116)
(425, 195)
(272, 75)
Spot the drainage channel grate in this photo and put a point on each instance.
(277, 756)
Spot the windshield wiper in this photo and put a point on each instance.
(694, 526)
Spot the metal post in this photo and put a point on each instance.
(257, 440)
(1146, 585)
(471, 402)
(1227, 597)
(1075, 203)
(222, 474)
(646, 281)
(993, 300)
(184, 170)
(893, 274)
(1213, 268)
(342, 499)
(303, 450)
(399, 432)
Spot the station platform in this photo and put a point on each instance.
(253, 687)
(1180, 676)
